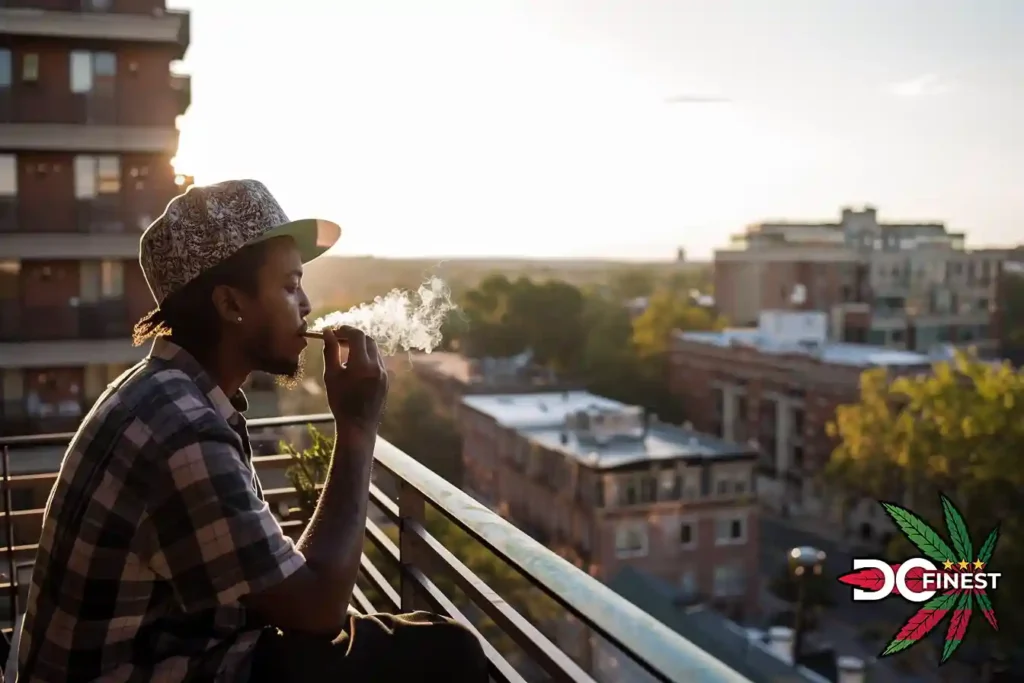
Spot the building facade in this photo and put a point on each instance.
(776, 388)
(88, 108)
(606, 487)
(901, 285)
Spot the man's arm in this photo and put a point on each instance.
(316, 598)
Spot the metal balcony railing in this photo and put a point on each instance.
(654, 651)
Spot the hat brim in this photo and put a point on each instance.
(313, 236)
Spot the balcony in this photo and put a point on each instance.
(168, 27)
(103, 320)
(620, 641)
(85, 138)
(182, 86)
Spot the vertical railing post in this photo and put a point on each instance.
(12, 581)
(411, 552)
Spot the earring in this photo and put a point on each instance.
(238, 319)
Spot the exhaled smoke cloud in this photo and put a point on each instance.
(399, 320)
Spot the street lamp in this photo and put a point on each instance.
(803, 562)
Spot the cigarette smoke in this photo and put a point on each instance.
(399, 320)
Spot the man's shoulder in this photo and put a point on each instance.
(168, 404)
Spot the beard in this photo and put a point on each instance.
(287, 372)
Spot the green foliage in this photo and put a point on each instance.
(960, 431)
(586, 335)
(309, 467)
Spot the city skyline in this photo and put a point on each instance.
(555, 138)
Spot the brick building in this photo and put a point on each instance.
(776, 387)
(902, 285)
(603, 485)
(88, 105)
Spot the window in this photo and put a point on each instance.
(8, 175)
(5, 68)
(111, 279)
(30, 67)
(648, 489)
(688, 535)
(688, 584)
(97, 175)
(671, 486)
(89, 67)
(729, 580)
(730, 531)
(628, 492)
(631, 540)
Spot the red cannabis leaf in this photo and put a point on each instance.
(923, 621)
(872, 579)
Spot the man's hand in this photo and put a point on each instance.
(357, 389)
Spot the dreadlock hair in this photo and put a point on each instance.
(188, 316)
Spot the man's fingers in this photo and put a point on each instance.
(358, 357)
(332, 351)
(372, 352)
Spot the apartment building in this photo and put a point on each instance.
(902, 285)
(776, 388)
(450, 376)
(606, 487)
(88, 104)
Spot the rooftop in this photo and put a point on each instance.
(549, 420)
(805, 333)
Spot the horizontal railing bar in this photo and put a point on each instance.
(500, 668)
(550, 657)
(661, 651)
(384, 504)
(362, 602)
(64, 438)
(382, 541)
(374, 576)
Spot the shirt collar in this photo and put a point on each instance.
(230, 409)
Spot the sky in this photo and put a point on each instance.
(529, 128)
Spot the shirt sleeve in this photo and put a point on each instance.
(215, 540)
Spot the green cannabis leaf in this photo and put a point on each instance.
(989, 546)
(957, 626)
(957, 529)
(920, 533)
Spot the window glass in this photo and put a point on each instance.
(81, 71)
(8, 175)
(104, 64)
(109, 175)
(5, 68)
(85, 177)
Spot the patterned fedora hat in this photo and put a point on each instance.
(208, 224)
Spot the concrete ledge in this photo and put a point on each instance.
(66, 137)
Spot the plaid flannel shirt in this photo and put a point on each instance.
(154, 530)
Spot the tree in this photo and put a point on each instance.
(666, 312)
(958, 430)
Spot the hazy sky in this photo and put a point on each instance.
(538, 127)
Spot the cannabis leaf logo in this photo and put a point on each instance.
(960, 558)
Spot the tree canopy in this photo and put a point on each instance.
(584, 335)
(958, 430)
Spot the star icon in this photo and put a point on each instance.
(963, 564)
(947, 565)
(978, 564)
